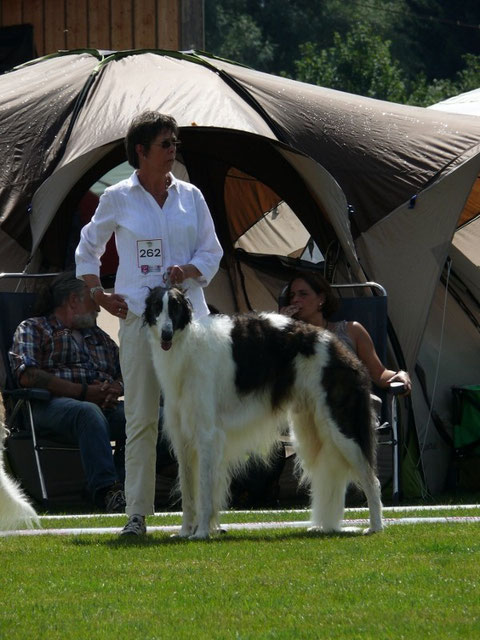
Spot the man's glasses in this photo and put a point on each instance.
(166, 144)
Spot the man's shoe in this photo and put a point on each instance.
(115, 500)
(135, 526)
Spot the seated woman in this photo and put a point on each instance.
(311, 299)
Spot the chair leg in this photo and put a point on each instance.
(41, 479)
(395, 454)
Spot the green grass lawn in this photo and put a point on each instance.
(411, 581)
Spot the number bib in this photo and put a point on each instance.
(149, 255)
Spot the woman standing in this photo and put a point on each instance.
(163, 231)
(311, 299)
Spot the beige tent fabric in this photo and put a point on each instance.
(332, 201)
(255, 197)
(190, 92)
(279, 232)
(406, 252)
(53, 190)
(450, 356)
(12, 255)
(465, 254)
(380, 153)
(467, 104)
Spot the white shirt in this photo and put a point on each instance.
(150, 238)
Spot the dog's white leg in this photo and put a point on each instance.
(324, 468)
(371, 487)
(364, 475)
(211, 481)
(187, 472)
(329, 479)
(221, 488)
(186, 460)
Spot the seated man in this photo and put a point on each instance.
(65, 352)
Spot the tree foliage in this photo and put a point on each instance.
(235, 35)
(414, 51)
(359, 63)
(425, 93)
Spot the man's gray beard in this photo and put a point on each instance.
(85, 320)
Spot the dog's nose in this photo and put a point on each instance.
(167, 335)
(166, 339)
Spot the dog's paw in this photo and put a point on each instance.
(356, 530)
(371, 530)
(199, 535)
(325, 530)
(184, 533)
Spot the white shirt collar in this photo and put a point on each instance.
(135, 182)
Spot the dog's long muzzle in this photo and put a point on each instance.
(166, 336)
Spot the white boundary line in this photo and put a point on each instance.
(164, 514)
(248, 526)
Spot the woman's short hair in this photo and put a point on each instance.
(320, 285)
(143, 129)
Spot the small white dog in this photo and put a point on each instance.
(15, 509)
(230, 382)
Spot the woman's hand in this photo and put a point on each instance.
(177, 273)
(289, 311)
(403, 378)
(113, 303)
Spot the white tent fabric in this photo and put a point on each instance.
(465, 103)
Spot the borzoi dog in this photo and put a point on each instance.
(230, 382)
(15, 510)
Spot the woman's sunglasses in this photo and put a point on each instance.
(166, 144)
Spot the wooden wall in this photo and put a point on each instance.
(107, 24)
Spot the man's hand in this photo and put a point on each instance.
(105, 393)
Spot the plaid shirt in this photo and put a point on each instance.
(44, 343)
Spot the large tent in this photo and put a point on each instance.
(380, 186)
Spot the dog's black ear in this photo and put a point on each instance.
(153, 306)
(180, 308)
(188, 312)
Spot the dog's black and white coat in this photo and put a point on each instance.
(230, 382)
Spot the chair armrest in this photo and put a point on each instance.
(28, 393)
(396, 388)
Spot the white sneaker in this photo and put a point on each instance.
(135, 526)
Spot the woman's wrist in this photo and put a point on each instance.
(94, 291)
(190, 271)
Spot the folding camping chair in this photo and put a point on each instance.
(371, 312)
(46, 468)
